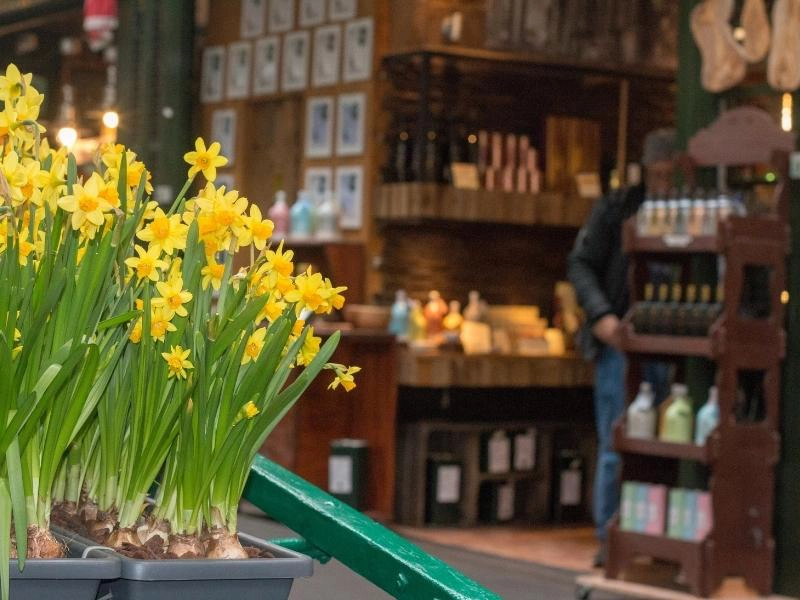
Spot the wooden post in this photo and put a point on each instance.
(622, 131)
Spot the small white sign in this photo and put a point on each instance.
(295, 61)
(525, 451)
(223, 130)
(340, 474)
(265, 76)
(794, 165)
(448, 484)
(358, 50)
(327, 51)
(312, 12)
(570, 488)
(281, 16)
(341, 10)
(499, 454)
(239, 68)
(252, 18)
(505, 502)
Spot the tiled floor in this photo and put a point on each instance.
(563, 548)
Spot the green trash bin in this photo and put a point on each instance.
(347, 471)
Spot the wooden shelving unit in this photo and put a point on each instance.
(742, 452)
(410, 202)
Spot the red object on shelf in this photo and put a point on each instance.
(100, 20)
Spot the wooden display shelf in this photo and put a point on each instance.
(665, 345)
(629, 445)
(443, 369)
(509, 476)
(668, 244)
(411, 202)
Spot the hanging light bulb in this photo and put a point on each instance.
(67, 132)
(111, 119)
(786, 112)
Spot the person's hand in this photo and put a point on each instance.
(608, 330)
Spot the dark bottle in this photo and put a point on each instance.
(661, 311)
(715, 308)
(402, 154)
(700, 311)
(683, 318)
(642, 311)
(674, 306)
(433, 162)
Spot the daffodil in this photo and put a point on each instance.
(344, 377)
(254, 345)
(135, 335)
(85, 203)
(308, 291)
(272, 309)
(212, 274)
(280, 261)
(147, 264)
(165, 233)
(310, 348)
(248, 411)
(173, 296)
(177, 362)
(205, 160)
(161, 322)
(259, 230)
(13, 83)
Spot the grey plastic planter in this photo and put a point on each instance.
(72, 578)
(205, 579)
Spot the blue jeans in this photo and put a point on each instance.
(609, 404)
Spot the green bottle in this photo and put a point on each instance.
(678, 421)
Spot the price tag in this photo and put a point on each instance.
(448, 484)
(499, 454)
(570, 488)
(525, 451)
(340, 474)
(505, 502)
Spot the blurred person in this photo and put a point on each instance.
(597, 268)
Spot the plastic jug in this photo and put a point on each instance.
(642, 417)
(678, 418)
(707, 417)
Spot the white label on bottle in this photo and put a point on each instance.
(570, 488)
(340, 474)
(448, 484)
(499, 455)
(505, 502)
(525, 451)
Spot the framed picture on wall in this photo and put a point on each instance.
(318, 181)
(281, 15)
(312, 12)
(350, 121)
(327, 52)
(265, 73)
(240, 65)
(223, 130)
(358, 40)
(350, 192)
(319, 127)
(253, 15)
(341, 10)
(213, 78)
(227, 179)
(295, 61)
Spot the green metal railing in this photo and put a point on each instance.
(331, 528)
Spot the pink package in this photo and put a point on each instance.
(705, 517)
(656, 509)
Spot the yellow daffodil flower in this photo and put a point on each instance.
(248, 411)
(147, 264)
(13, 83)
(205, 160)
(212, 274)
(280, 261)
(259, 230)
(85, 203)
(344, 377)
(310, 348)
(173, 296)
(254, 345)
(272, 310)
(177, 362)
(308, 291)
(136, 333)
(165, 233)
(161, 322)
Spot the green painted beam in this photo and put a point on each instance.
(390, 562)
(303, 547)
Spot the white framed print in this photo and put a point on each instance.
(253, 15)
(267, 58)
(240, 56)
(295, 61)
(327, 54)
(341, 10)
(319, 127)
(358, 40)
(350, 124)
(318, 182)
(281, 16)
(312, 12)
(350, 196)
(227, 179)
(223, 130)
(213, 79)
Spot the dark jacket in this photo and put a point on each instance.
(597, 267)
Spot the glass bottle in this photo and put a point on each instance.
(399, 320)
(642, 417)
(327, 218)
(710, 217)
(642, 311)
(302, 216)
(674, 307)
(683, 318)
(401, 157)
(678, 421)
(707, 417)
(278, 213)
(661, 311)
(698, 215)
(700, 310)
(644, 217)
(659, 225)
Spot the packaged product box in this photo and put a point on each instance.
(626, 506)
(704, 516)
(675, 513)
(640, 507)
(689, 514)
(656, 509)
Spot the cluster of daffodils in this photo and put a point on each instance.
(168, 364)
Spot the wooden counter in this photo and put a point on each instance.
(442, 369)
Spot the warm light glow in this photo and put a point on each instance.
(472, 139)
(784, 297)
(739, 34)
(770, 177)
(111, 119)
(67, 136)
(786, 112)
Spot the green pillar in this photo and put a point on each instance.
(787, 501)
